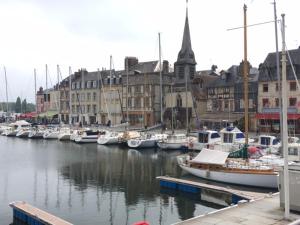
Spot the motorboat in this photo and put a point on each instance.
(36, 133)
(146, 141)
(16, 127)
(88, 136)
(127, 135)
(110, 137)
(216, 166)
(51, 134)
(77, 132)
(24, 132)
(269, 143)
(173, 142)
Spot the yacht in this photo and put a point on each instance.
(204, 139)
(88, 137)
(64, 134)
(51, 133)
(173, 142)
(146, 141)
(16, 127)
(110, 137)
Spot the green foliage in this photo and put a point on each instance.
(24, 106)
(12, 107)
(18, 105)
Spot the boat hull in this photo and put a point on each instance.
(108, 140)
(171, 146)
(64, 137)
(248, 179)
(87, 139)
(138, 143)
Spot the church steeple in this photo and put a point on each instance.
(186, 56)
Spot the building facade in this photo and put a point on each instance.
(268, 115)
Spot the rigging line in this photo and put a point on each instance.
(251, 25)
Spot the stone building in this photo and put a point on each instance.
(180, 100)
(143, 100)
(42, 101)
(268, 94)
(225, 98)
(64, 104)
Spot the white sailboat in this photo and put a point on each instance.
(146, 141)
(215, 165)
(109, 138)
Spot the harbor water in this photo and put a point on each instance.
(92, 184)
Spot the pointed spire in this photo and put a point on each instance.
(186, 53)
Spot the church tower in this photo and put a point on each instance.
(186, 63)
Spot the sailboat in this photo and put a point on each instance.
(216, 165)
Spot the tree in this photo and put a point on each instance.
(24, 106)
(18, 105)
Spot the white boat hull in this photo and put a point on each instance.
(256, 180)
(107, 140)
(23, 134)
(171, 146)
(140, 143)
(86, 139)
(52, 135)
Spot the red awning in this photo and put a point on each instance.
(275, 116)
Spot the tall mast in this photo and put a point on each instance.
(104, 97)
(110, 74)
(70, 100)
(245, 67)
(278, 68)
(127, 80)
(58, 94)
(161, 88)
(46, 91)
(284, 126)
(35, 100)
(172, 115)
(186, 72)
(6, 90)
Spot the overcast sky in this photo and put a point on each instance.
(84, 33)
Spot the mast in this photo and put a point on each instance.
(58, 94)
(104, 96)
(160, 77)
(172, 115)
(70, 100)
(127, 80)
(278, 69)
(46, 91)
(186, 99)
(6, 92)
(245, 71)
(284, 126)
(35, 99)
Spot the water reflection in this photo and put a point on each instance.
(90, 184)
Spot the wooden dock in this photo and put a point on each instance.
(183, 185)
(265, 211)
(32, 215)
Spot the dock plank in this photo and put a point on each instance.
(38, 213)
(250, 195)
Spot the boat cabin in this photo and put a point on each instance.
(267, 140)
(232, 135)
(294, 152)
(208, 137)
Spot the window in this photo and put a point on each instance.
(203, 137)
(178, 101)
(215, 135)
(120, 80)
(108, 81)
(265, 102)
(147, 88)
(240, 135)
(276, 88)
(180, 72)
(265, 141)
(137, 89)
(129, 89)
(226, 105)
(147, 102)
(88, 84)
(276, 102)
(94, 108)
(242, 104)
(88, 108)
(228, 138)
(293, 151)
(73, 85)
(138, 102)
(88, 97)
(129, 102)
(250, 103)
(94, 96)
(82, 97)
(265, 88)
(114, 80)
(293, 101)
(293, 86)
(94, 84)
(73, 98)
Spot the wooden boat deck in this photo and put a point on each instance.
(38, 214)
(263, 212)
(249, 195)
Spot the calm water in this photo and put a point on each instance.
(91, 184)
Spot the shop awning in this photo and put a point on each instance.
(48, 114)
(275, 116)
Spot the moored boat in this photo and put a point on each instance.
(215, 165)
(110, 137)
(88, 137)
(146, 141)
(173, 142)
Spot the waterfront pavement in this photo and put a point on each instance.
(261, 212)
